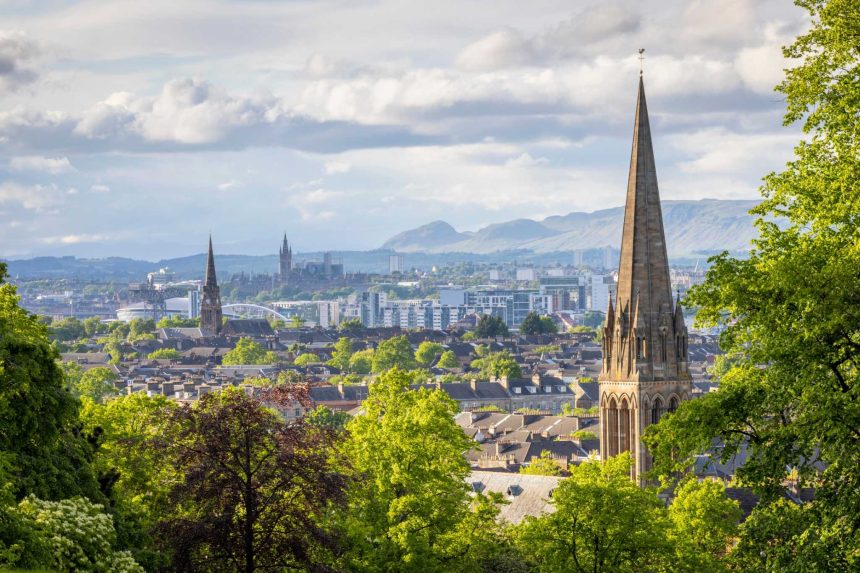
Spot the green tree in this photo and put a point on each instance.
(141, 329)
(411, 509)
(496, 365)
(93, 326)
(343, 351)
(785, 536)
(72, 535)
(603, 522)
(306, 358)
(177, 322)
(542, 465)
(490, 326)
(361, 362)
(137, 475)
(67, 329)
(296, 321)
(531, 324)
(394, 351)
(705, 523)
(96, 383)
(164, 354)
(112, 346)
(583, 435)
(448, 360)
(249, 352)
(791, 314)
(72, 373)
(547, 325)
(41, 452)
(326, 418)
(351, 325)
(428, 352)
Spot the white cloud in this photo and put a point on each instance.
(319, 196)
(53, 165)
(228, 185)
(526, 160)
(500, 49)
(75, 239)
(31, 197)
(99, 188)
(336, 167)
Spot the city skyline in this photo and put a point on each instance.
(123, 135)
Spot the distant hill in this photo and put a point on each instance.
(692, 227)
(437, 233)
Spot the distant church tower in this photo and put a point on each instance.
(645, 369)
(285, 262)
(210, 304)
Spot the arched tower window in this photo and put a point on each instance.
(624, 437)
(673, 404)
(656, 410)
(611, 430)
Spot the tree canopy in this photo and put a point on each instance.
(249, 352)
(391, 352)
(496, 365)
(533, 323)
(490, 326)
(411, 510)
(791, 313)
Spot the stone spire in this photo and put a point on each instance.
(209, 278)
(285, 262)
(210, 303)
(644, 340)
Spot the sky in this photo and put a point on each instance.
(132, 128)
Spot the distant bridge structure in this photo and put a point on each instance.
(246, 310)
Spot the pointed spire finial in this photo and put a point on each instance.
(209, 277)
(641, 61)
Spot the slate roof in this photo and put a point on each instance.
(252, 327)
(526, 494)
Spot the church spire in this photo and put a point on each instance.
(210, 279)
(210, 303)
(645, 358)
(643, 273)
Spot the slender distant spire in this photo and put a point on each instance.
(210, 302)
(210, 279)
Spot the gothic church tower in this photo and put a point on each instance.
(644, 372)
(285, 262)
(210, 303)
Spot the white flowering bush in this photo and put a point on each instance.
(79, 534)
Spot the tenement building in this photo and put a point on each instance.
(644, 372)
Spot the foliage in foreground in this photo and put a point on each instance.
(605, 522)
(788, 394)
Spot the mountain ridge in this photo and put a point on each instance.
(691, 227)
